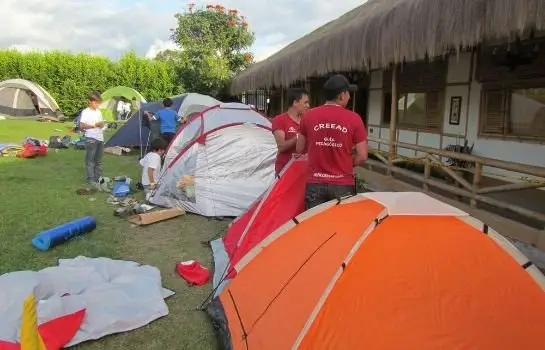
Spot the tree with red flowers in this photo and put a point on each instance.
(214, 45)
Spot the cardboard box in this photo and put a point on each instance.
(156, 216)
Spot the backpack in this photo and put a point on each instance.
(77, 121)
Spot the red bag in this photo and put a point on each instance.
(42, 150)
(193, 272)
(32, 148)
(29, 151)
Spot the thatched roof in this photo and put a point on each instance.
(381, 32)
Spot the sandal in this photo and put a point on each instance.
(85, 191)
(128, 202)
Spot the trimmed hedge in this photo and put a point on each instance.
(69, 77)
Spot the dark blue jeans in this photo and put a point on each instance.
(317, 194)
(94, 150)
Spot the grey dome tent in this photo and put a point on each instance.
(23, 99)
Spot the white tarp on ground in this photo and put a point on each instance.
(118, 296)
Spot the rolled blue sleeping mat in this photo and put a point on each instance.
(60, 234)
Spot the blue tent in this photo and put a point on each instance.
(136, 131)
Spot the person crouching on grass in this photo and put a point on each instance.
(92, 124)
(151, 165)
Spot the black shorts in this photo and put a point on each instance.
(168, 136)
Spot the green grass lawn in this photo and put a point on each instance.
(41, 193)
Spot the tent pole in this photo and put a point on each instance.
(140, 130)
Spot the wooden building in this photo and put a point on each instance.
(439, 79)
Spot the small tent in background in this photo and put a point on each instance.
(284, 200)
(23, 99)
(219, 163)
(136, 132)
(110, 97)
(383, 270)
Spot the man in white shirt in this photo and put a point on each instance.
(92, 124)
(120, 109)
(126, 110)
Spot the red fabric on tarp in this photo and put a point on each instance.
(4, 345)
(58, 332)
(55, 333)
(284, 201)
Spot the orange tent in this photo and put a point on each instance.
(383, 271)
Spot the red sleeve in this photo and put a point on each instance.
(360, 132)
(278, 123)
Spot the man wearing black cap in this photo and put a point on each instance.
(328, 134)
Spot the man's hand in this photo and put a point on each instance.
(152, 186)
(360, 155)
(99, 125)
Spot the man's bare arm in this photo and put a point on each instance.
(301, 146)
(283, 144)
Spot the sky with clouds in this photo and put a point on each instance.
(112, 27)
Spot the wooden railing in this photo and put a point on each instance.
(462, 187)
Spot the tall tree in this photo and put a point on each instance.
(214, 45)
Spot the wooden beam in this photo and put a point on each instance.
(392, 152)
(477, 175)
(450, 172)
(427, 175)
(510, 187)
(462, 192)
(496, 163)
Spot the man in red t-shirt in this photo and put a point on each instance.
(286, 127)
(328, 134)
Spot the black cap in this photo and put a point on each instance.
(339, 83)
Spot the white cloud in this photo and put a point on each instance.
(159, 46)
(21, 48)
(111, 27)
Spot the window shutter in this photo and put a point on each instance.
(423, 76)
(494, 112)
(433, 110)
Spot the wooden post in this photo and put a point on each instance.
(476, 183)
(392, 152)
(427, 174)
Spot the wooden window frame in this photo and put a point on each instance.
(506, 87)
(431, 129)
(419, 77)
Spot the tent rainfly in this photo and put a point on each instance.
(284, 200)
(382, 270)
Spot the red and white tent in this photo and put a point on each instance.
(284, 200)
(219, 163)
